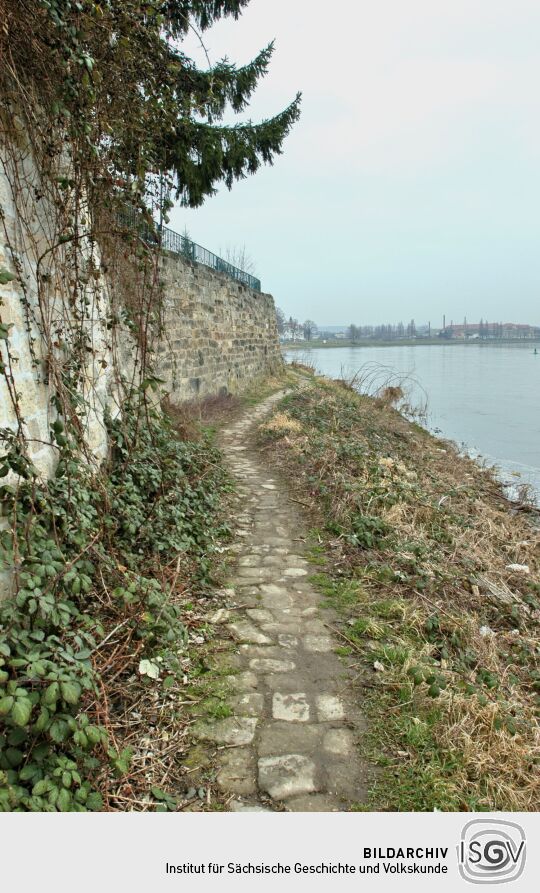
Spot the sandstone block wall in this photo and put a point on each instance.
(218, 335)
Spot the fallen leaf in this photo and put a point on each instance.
(148, 668)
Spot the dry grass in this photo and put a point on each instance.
(281, 423)
(154, 722)
(410, 523)
(391, 395)
(188, 417)
(221, 409)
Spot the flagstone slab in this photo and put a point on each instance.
(231, 730)
(287, 775)
(269, 665)
(329, 708)
(286, 737)
(320, 644)
(339, 741)
(243, 631)
(238, 772)
(290, 706)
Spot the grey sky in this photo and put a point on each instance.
(410, 187)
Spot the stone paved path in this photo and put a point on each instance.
(292, 741)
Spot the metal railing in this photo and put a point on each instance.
(175, 243)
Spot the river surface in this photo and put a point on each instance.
(486, 398)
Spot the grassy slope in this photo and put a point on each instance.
(416, 542)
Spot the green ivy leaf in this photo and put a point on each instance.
(71, 692)
(14, 756)
(21, 712)
(94, 801)
(41, 787)
(59, 730)
(83, 654)
(51, 694)
(43, 720)
(63, 803)
(6, 704)
(93, 734)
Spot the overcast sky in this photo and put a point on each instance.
(410, 187)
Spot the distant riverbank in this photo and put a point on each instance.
(407, 342)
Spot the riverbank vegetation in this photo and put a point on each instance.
(112, 575)
(435, 581)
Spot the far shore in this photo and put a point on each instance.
(405, 342)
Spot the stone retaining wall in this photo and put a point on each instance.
(218, 335)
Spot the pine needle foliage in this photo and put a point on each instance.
(113, 78)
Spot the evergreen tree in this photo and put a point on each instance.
(186, 245)
(112, 77)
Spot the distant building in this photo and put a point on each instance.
(515, 330)
(490, 331)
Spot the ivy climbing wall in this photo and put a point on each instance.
(216, 335)
(42, 325)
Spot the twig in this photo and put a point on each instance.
(106, 639)
(299, 501)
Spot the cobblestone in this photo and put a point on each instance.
(292, 736)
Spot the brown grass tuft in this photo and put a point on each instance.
(415, 524)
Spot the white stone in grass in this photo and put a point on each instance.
(518, 568)
(220, 616)
(149, 668)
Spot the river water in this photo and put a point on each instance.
(486, 398)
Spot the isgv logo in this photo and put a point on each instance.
(491, 851)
